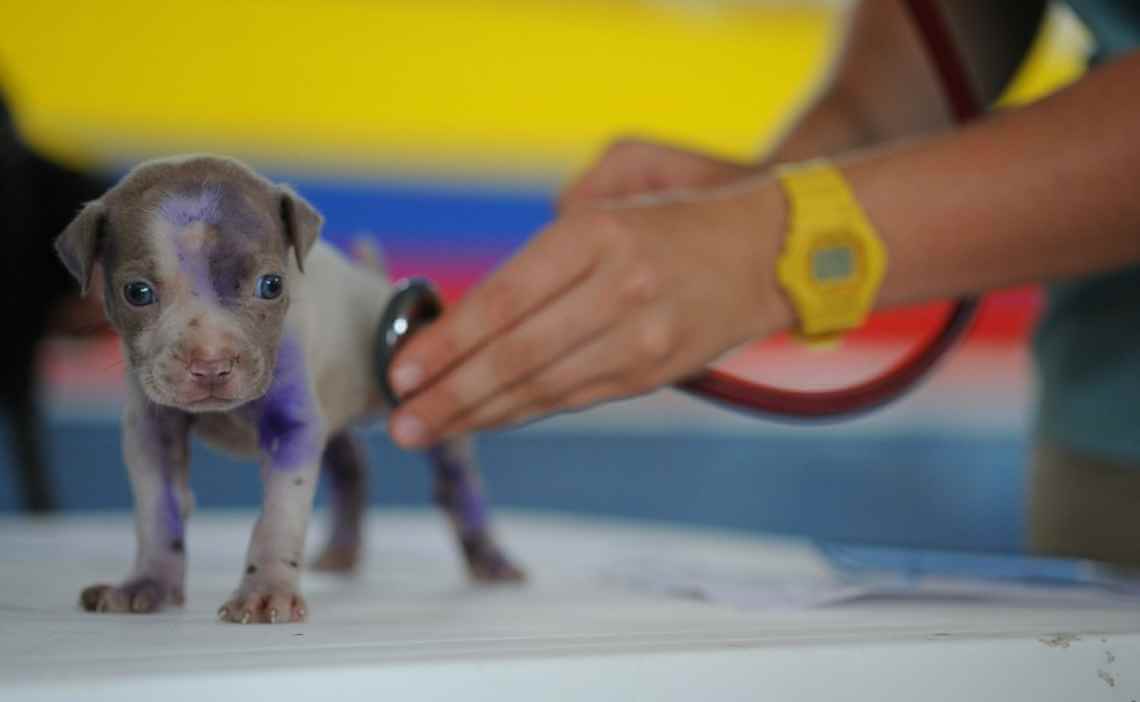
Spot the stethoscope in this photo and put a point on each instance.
(416, 303)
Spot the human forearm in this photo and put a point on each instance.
(1041, 193)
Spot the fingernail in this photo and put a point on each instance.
(405, 378)
(406, 429)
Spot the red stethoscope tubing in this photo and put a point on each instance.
(739, 393)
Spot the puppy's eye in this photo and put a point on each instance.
(139, 293)
(269, 286)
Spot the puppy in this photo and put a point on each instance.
(237, 324)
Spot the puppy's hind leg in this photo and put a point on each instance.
(458, 492)
(345, 463)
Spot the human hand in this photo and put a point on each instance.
(607, 302)
(631, 167)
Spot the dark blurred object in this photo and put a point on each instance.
(38, 197)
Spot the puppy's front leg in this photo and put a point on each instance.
(156, 451)
(269, 591)
(292, 437)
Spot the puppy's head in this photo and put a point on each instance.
(196, 255)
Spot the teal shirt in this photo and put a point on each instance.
(1087, 344)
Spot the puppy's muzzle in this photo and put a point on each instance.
(211, 373)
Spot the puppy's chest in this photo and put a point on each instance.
(232, 432)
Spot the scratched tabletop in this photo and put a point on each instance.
(409, 625)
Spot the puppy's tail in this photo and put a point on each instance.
(366, 252)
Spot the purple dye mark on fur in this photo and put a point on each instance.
(456, 490)
(161, 429)
(182, 210)
(171, 513)
(185, 209)
(289, 427)
(216, 266)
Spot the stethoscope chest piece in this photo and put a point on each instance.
(414, 304)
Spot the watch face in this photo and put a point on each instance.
(833, 264)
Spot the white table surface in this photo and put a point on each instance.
(410, 625)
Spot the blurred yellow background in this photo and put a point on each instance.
(447, 88)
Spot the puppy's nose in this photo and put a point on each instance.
(210, 371)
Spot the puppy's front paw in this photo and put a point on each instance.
(271, 606)
(141, 595)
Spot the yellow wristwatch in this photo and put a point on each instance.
(833, 261)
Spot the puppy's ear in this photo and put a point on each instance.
(301, 222)
(80, 244)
